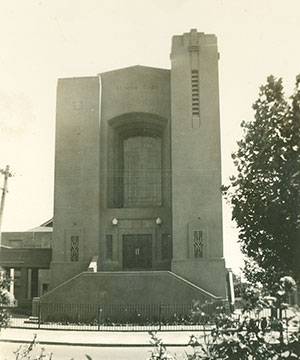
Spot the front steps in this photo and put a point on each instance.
(127, 287)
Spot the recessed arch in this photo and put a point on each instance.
(137, 119)
(136, 148)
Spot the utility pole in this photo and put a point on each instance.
(6, 174)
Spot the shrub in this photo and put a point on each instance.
(247, 335)
(6, 299)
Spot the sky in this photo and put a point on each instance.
(42, 41)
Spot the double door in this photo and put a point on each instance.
(137, 252)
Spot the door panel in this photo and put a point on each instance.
(137, 251)
(129, 251)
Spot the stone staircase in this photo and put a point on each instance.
(127, 287)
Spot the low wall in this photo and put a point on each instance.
(149, 287)
(121, 296)
(207, 273)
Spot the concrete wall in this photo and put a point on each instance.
(76, 195)
(85, 149)
(136, 89)
(210, 274)
(62, 271)
(29, 258)
(44, 278)
(196, 154)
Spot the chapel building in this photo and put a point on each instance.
(137, 201)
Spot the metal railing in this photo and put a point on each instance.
(116, 317)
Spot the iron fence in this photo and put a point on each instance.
(117, 317)
(129, 317)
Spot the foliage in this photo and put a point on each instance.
(239, 285)
(6, 299)
(160, 351)
(226, 336)
(32, 352)
(248, 335)
(265, 194)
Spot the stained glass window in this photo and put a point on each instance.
(142, 171)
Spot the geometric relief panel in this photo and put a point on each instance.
(198, 244)
(74, 249)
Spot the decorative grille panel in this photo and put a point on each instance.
(198, 244)
(74, 248)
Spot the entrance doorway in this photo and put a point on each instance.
(137, 252)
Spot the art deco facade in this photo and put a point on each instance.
(137, 180)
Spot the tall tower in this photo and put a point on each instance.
(196, 161)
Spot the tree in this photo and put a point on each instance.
(265, 193)
(254, 334)
(239, 285)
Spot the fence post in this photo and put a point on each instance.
(99, 316)
(159, 316)
(280, 327)
(40, 314)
